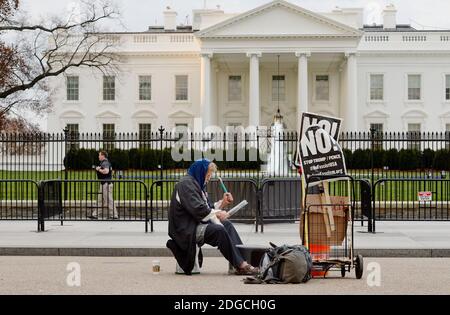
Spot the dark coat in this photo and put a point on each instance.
(183, 220)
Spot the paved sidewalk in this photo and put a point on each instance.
(393, 239)
(133, 275)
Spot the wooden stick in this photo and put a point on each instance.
(328, 214)
(304, 237)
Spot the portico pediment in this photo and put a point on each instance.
(108, 115)
(72, 114)
(144, 114)
(377, 114)
(415, 113)
(279, 19)
(181, 114)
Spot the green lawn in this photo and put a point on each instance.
(390, 191)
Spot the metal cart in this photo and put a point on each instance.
(327, 225)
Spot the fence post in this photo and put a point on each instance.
(66, 148)
(372, 175)
(161, 165)
(258, 158)
(41, 223)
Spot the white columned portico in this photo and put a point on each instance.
(302, 84)
(351, 108)
(254, 103)
(205, 102)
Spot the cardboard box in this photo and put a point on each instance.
(316, 221)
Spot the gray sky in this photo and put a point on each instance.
(139, 14)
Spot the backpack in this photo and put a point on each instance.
(283, 264)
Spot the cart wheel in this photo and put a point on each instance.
(343, 270)
(359, 266)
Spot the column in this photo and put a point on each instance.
(351, 108)
(205, 101)
(302, 88)
(254, 104)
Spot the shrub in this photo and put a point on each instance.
(361, 159)
(427, 158)
(348, 155)
(149, 160)
(134, 156)
(378, 158)
(119, 159)
(391, 159)
(409, 160)
(442, 160)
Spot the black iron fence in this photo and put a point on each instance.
(257, 166)
(166, 155)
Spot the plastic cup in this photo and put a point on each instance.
(156, 267)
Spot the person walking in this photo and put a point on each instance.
(105, 197)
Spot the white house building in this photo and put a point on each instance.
(236, 69)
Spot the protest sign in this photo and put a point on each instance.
(319, 151)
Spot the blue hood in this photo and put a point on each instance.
(198, 170)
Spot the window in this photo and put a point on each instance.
(322, 88)
(447, 87)
(109, 88)
(73, 137)
(181, 129)
(145, 133)
(376, 87)
(73, 88)
(378, 136)
(145, 88)
(414, 87)
(278, 88)
(181, 88)
(234, 88)
(109, 135)
(413, 136)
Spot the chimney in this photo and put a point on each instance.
(170, 20)
(390, 17)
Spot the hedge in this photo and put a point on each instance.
(150, 160)
(442, 160)
(405, 159)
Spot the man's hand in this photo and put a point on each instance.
(97, 168)
(222, 215)
(227, 200)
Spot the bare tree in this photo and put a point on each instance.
(30, 54)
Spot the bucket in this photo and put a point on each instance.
(319, 252)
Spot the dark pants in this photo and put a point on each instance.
(225, 238)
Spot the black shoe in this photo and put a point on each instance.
(93, 217)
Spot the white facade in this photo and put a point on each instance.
(330, 63)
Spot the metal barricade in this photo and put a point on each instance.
(93, 200)
(411, 200)
(18, 200)
(281, 200)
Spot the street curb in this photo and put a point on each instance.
(207, 252)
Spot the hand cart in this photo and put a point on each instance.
(327, 225)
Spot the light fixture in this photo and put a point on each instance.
(278, 118)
